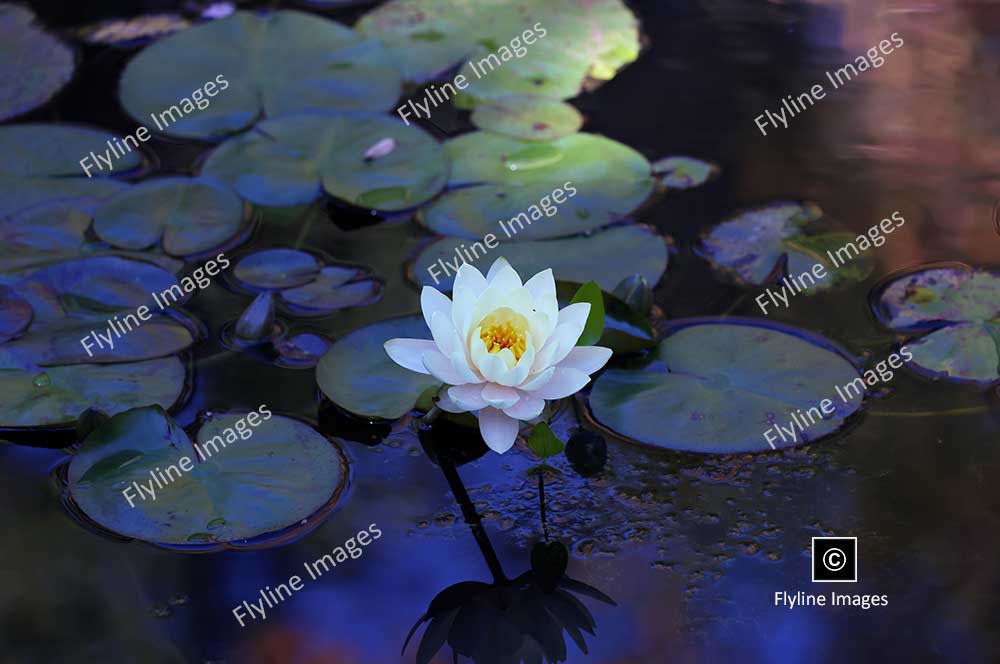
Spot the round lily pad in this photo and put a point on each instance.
(769, 243)
(684, 172)
(15, 314)
(34, 65)
(223, 76)
(960, 308)
(335, 288)
(358, 375)
(538, 190)
(606, 257)
(191, 216)
(527, 117)
(276, 269)
(364, 159)
(248, 476)
(57, 395)
(543, 48)
(719, 386)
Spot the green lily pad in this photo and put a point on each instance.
(292, 160)
(15, 314)
(960, 306)
(684, 172)
(527, 118)
(335, 288)
(553, 189)
(358, 375)
(718, 386)
(190, 216)
(264, 65)
(248, 476)
(48, 168)
(606, 256)
(770, 243)
(276, 269)
(34, 65)
(57, 395)
(545, 48)
(625, 330)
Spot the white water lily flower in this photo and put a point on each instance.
(503, 347)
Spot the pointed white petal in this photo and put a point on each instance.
(408, 353)
(503, 276)
(432, 302)
(469, 277)
(441, 368)
(564, 337)
(468, 397)
(542, 287)
(587, 359)
(499, 396)
(528, 407)
(564, 382)
(575, 314)
(498, 430)
(461, 364)
(536, 381)
(443, 332)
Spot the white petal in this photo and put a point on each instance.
(499, 396)
(449, 405)
(564, 337)
(501, 274)
(542, 287)
(575, 314)
(490, 365)
(432, 302)
(528, 407)
(523, 366)
(587, 359)
(543, 359)
(461, 364)
(468, 397)
(498, 430)
(564, 382)
(536, 381)
(444, 332)
(469, 277)
(408, 353)
(440, 367)
(469, 286)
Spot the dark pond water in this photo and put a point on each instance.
(692, 548)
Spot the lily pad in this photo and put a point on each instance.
(190, 216)
(248, 476)
(553, 189)
(57, 395)
(335, 288)
(718, 386)
(771, 242)
(545, 48)
(357, 374)
(960, 307)
(264, 65)
(527, 118)
(292, 160)
(34, 65)
(15, 314)
(276, 269)
(606, 256)
(684, 172)
(48, 168)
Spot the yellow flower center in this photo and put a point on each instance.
(505, 328)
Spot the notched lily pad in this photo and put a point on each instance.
(34, 65)
(769, 243)
(267, 65)
(276, 269)
(960, 307)
(606, 256)
(251, 474)
(335, 288)
(718, 386)
(292, 160)
(357, 374)
(187, 216)
(527, 118)
(538, 190)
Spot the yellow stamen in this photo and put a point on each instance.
(505, 328)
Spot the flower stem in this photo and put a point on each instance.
(472, 517)
(541, 501)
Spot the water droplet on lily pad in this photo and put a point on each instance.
(41, 380)
(201, 538)
(216, 523)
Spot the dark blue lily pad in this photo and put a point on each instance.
(34, 65)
